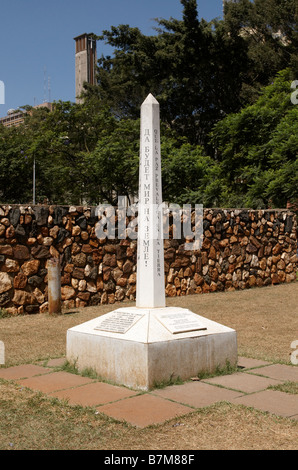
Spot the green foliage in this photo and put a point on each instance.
(13, 165)
(258, 147)
(269, 30)
(188, 176)
(199, 71)
(113, 165)
(59, 142)
(190, 66)
(229, 130)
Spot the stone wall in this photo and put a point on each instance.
(241, 249)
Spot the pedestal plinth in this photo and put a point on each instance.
(140, 347)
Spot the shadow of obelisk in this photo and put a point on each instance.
(150, 343)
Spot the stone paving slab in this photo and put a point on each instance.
(247, 388)
(92, 394)
(54, 381)
(249, 363)
(59, 362)
(279, 372)
(22, 371)
(243, 382)
(144, 410)
(196, 394)
(272, 401)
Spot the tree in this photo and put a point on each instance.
(226, 140)
(58, 142)
(113, 166)
(258, 147)
(15, 169)
(199, 71)
(188, 175)
(191, 66)
(269, 29)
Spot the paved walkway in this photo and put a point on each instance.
(248, 387)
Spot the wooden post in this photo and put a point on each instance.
(54, 286)
(2, 353)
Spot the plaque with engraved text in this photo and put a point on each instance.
(183, 322)
(118, 321)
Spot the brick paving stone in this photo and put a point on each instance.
(22, 371)
(197, 394)
(158, 406)
(244, 382)
(95, 393)
(144, 410)
(279, 372)
(56, 362)
(249, 363)
(54, 381)
(272, 401)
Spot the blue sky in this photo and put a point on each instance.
(37, 46)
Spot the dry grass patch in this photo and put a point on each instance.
(226, 427)
(31, 338)
(266, 322)
(32, 421)
(265, 319)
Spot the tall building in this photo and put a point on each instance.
(15, 117)
(85, 62)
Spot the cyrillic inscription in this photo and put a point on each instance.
(118, 321)
(181, 322)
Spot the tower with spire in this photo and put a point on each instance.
(85, 62)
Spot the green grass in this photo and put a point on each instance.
(287, 387)
(166, 383)
(228, 369)
(4, 313)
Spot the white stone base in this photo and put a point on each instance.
(139, 347)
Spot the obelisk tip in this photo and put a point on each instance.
(150, 99)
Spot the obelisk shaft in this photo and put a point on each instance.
(150, 264)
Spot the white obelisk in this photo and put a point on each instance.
(143, 345)
(150, 263)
